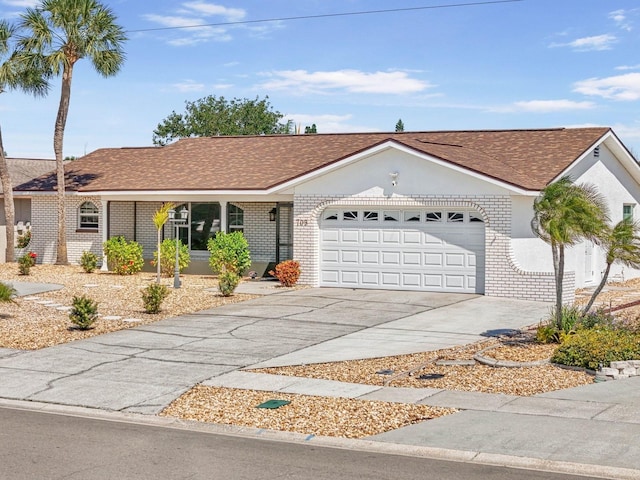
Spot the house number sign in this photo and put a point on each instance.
(302, 222)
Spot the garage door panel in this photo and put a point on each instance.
(412, 255)
(350, 256)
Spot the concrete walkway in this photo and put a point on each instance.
(591, 429)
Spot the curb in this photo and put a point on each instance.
(483, 458)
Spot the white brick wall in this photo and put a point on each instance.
(503, 277)
(259, 231)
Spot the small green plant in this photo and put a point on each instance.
(287, 272)
(7, 292)
(227, 283)
(89, 261)
(228, 257)
(123, 257)
(589, 348)
(153, 296)
(24, 239)
(84, 312)
(168, 257)
(25, 262)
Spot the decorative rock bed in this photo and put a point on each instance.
(493, 362)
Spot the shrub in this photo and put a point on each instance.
(168, 257)
(123, 257)
(229, 252)
(84, 312)
(287, 272)
(227, 283)
(229, 257)
(7, 292)
(572, 318)
(24, 239)
(588, 348)
(152, 297)
(88, 261)
(25, 262)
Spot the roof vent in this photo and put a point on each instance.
(596, 152)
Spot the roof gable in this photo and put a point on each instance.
(528, 159)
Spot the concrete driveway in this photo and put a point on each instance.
(143, 369)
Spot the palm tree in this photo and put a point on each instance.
(22, 73)
(63, 32)
(160, 217)
(565, 214)
(622, 243)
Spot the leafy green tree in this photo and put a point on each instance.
(24, 73)
(565, 214)
(311, 129)
(64, 32)
(399, 126)
(213, 116)
(622, 244)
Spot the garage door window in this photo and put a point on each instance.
(412, 216)
(455, 217)
(330, 215)
(391, 216)
(433, 217)
(370, 216)
(350, 216)
(475, 217)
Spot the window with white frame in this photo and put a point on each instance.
(627, 211)
(88, 216)
(235, 218)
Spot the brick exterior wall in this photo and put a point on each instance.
(44, 229)
(259, 231)
(503, 277)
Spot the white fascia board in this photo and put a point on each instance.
(393, 145)
(619, 151)
(191, 196)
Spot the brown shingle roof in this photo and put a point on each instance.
(525, 158)
(22, 170)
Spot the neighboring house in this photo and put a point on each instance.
(436, 211)
(21, 170)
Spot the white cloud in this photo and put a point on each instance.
(628, 67)
(327, 123)
(188, 86)
(210, 9)
(620, 17)
(585, 44)
(352, 81)
(619, 87)
(549, 106)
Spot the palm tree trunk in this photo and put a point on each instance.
(603, 282)
(58, 141)
(558, 268)
(158, 258)
(9, 209)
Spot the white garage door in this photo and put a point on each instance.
(419, 249)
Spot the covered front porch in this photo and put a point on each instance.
(267, 226)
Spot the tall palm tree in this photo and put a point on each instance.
(566, 214)
(63, 32)
(22, 73)
(622, 244)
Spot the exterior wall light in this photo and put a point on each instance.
(272, 214)
(394, 178)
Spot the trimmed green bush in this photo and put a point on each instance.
(227, 283)
(153, 296)
(228, 257)
(588, 348)
(168, 257)
(88, 261)
(123, 257)
(7, 292)
(84, 312)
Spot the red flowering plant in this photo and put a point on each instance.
(26, 261)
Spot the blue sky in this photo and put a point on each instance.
(519, 64)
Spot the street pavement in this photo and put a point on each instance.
(589, 430)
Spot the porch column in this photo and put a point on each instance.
(223, 216)
(105, 232)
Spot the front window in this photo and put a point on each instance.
(235, 218)
(88, 216)
(203, 224)
(627, 212)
